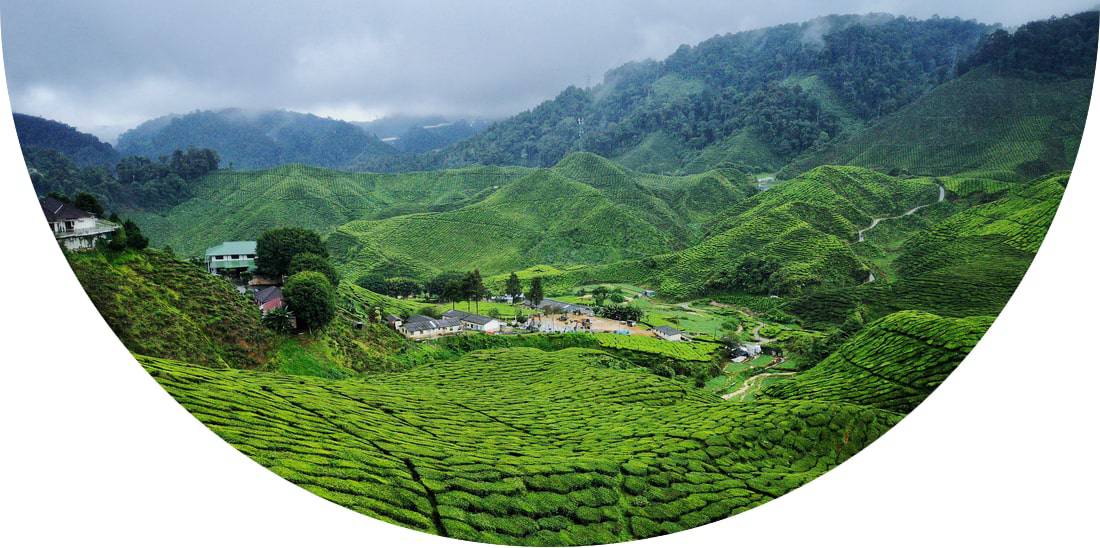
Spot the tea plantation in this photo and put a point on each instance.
(894, 364)
(161, 306)
(521, 446)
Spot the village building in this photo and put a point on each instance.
(393, 320)
(231, 258)
(423, 327)
(474, 322)
(669, 333)
(74, 228)
(550, 305)
(269, 298)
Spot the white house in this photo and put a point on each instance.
(669, 333)
(75, 228)
(474, 322)
(423, 327)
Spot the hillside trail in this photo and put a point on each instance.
(760, 339)
(876, 220)
(753, 381)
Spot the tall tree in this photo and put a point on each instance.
(475, 289)
(600, 294)
(276, 248)
(535, 294)
(313, 262)
(310, 297)
(512, 287)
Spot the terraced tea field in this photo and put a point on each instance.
(522, 446)
(690, 351)
(894, 364)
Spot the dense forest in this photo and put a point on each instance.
(83, 149)
(133, 183)
(1063, 47)
(746, 81)
(252, 140)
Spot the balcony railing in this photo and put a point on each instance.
(101, 227)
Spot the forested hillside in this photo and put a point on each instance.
(731, 85)
(256, 139)
(1017, 111)
(39, 134)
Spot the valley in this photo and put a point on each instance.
(762, 255)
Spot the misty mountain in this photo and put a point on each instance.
(423, 134)
(766, 95)
(256, 139)
(81, 148)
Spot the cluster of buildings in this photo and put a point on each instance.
(74, 228)
(453, 322)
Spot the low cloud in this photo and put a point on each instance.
(111, 64)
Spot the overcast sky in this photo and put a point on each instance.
(108, 64)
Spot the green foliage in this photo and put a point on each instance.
(586, 210)
(236, 205)
(133, 237)
(512, 286)
(661, 114)
(88, 203)
(621, 312)
(565, 448)
(535, 294)
(84, 149)
(1064, 47)
(968, 264)
(310, 297)
(1002, 126)
(806, 225)
(251, 140)
(277, 248)
(161, 306)
(688, 351)
(893, 364)
(308, 261)
(279, 320)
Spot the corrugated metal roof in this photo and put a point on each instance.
(233, 248)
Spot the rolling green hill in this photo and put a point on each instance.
(586, 210)
(805, 226)
(893, 364)
(521, 446)
(161, 306)
(983, 123)
(231, 205)
(968, 264)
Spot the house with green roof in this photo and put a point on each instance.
(231, 258)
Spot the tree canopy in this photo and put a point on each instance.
(276, 248)
(311, 298)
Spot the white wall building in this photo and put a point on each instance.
(75, 228)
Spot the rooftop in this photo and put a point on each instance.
(56, 210)
(666, 330)
(467, 317)
(268, 294)
(233, 248)
(430, 324)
